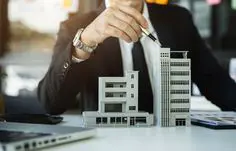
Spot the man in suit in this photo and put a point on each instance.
(107, 42)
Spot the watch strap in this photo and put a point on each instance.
(77, 43)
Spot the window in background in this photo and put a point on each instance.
(34, 23)
(33, 28)
(201, 12)
(233, 4)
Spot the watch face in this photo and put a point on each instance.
(80, 45)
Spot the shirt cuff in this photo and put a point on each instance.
(76, 60)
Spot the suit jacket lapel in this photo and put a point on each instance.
(160, 23)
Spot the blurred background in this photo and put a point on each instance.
(28, 31)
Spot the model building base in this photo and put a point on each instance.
(97, 119)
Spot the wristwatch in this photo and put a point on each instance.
(77, 43)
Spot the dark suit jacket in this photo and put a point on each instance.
(175, 28)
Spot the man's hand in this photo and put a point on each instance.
(122, 22)
(137, 4)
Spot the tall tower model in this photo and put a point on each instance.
(118, 104)
(171, 107)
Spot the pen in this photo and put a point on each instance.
(147, 33)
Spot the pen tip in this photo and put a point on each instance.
(157, 42)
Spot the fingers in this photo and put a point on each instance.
(116, 32)
(129, 20)
(134, 14)
(124, 27)
(124, 22)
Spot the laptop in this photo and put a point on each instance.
(25, 137)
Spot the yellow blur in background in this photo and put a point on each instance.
(163, 2)
(67, 3)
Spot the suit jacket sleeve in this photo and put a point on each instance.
(64, 79)
(213, 81)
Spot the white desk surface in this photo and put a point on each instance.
(151, 139)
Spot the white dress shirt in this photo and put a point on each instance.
(150, 48)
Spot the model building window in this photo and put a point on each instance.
(104, 120)
(180, 101)
(132, 108)
(112, 120)
(132, 95)
(113, 107)
(124, 120)
(179, 110)
(108, 94)
(132, 121)
(179, 92)
(118, 120)
(115, 84)
(179, 73)
(132, 86)
(180, 122)
(98, 120)
(109, 85)
(141, 120)
(179, 82)
(132, 76)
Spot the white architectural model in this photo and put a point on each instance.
(118, 104)
(171, 108)
(118, 96)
